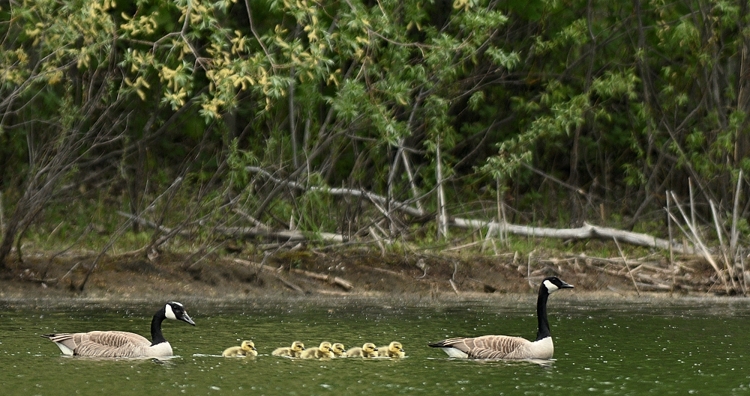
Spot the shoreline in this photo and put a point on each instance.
(610, 300)
(341, 277)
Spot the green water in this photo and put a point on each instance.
(602, 347)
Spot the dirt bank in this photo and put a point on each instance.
(354, 272)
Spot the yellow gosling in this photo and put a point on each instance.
(246, 349)
(367, 350)
(338, 349)
(294, 351)
(322, 351)
(393, 350)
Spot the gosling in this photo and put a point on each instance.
(322, 351)
(367, 350)
(338, 349)
(246, 349)
(294, 351)
(393, 350)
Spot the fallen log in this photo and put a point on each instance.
(274, 272)
(151, 224)
(344, 284)
(375, 198)
(238, 232)
(587, 231)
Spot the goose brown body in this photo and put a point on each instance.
(498, 347)
(508, 347)
(114, 344)
(110, 344)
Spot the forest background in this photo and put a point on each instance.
(135, 128)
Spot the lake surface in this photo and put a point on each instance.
(602, 347)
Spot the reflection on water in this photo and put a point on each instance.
(633, 346)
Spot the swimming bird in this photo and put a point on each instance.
(322, 351)
(338, 349)
(394, 349)
(246, 349)
(507, 347)
(294, 351)
(366, 351)
(121, 343)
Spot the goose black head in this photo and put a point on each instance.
(175, 310)
(553, 284)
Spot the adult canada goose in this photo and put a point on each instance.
(338, 349)
(367, 350)
(506, 347)
(121, 343)
(322, 351)
(294, 351)
(394, 350)
(246, 349)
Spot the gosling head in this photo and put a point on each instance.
(248, 345)
(338, 349)
(298, 346)
(325, 346)
(395, 349)
(369, 349)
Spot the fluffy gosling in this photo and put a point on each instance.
(322, 351)
(246, 349)
(294, 351)
(338, 349)
(393, 350)
(367, 350)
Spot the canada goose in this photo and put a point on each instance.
(394, 349)
(366, 351)
(246, 349)
(322, 351)
(122, 343)
(506, 347)
(338, 349)
(294, 351)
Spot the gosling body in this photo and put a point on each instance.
(368, 350)
(319, 352)
(393, 350)
(247, 349)
(293, 351)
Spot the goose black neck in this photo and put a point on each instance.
(541, 314)
(156, 336)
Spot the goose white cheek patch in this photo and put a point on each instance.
(551, 288)
(169, 313)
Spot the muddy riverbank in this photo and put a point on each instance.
(309, 273)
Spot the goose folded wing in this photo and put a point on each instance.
(109, 344)
(486, 347)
